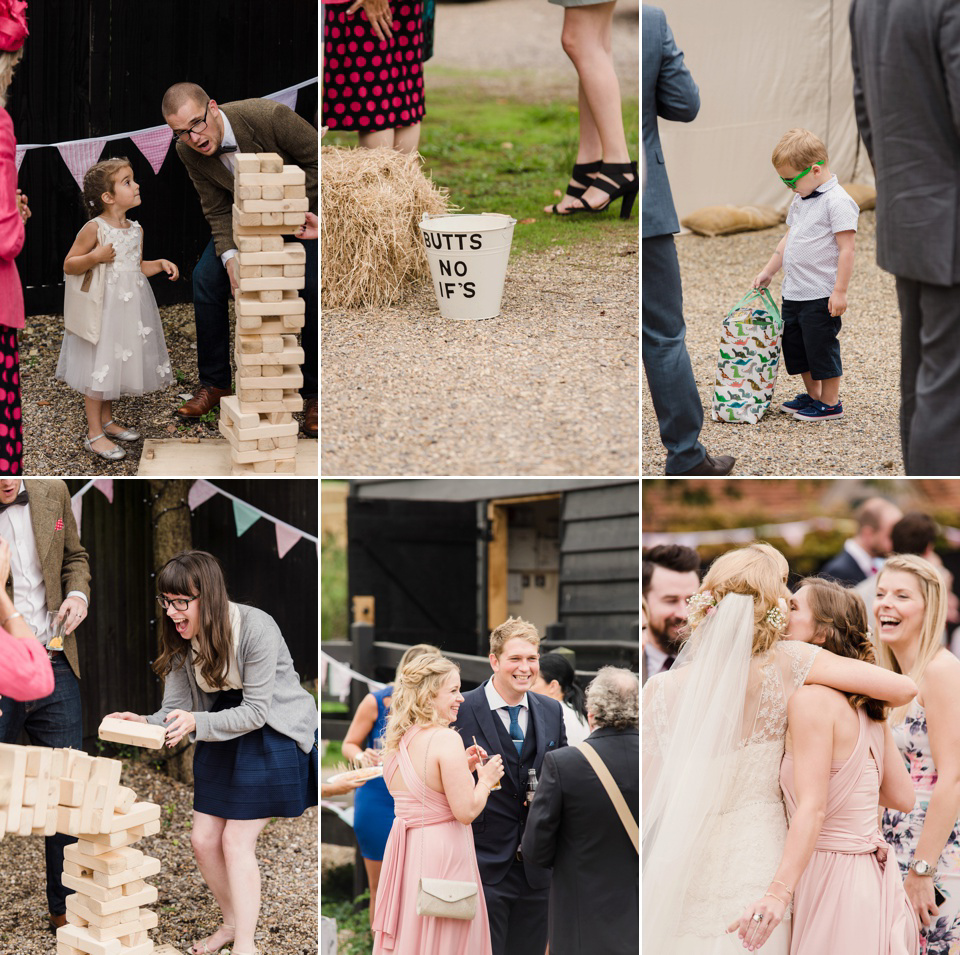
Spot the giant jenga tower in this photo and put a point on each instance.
(45, 791)
(270, 200)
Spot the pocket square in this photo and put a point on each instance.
(59, 526)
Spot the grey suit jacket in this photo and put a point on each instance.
(907, 96)
(668, 90)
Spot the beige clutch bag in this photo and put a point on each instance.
(446, 899)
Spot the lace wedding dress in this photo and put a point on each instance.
(738, 830)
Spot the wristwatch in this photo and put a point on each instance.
(923, 868)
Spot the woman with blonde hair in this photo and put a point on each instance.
(363, 744)
(840, 764)
(428, 773)
(911, 612)
(714, 725)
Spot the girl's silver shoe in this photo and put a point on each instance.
(128, 434)
(114, 454)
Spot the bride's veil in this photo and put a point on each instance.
(692, 724)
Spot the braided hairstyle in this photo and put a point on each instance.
(840, 626)
(97, 180)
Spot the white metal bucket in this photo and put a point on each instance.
(468, 261)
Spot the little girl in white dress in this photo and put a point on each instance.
(130, 357)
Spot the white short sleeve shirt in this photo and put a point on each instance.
(810, 258)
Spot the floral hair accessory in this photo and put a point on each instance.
(700, 605)
(776, 618)
(13, 25)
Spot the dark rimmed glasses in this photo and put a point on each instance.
(179, 603)
(198, 127)
(790, 183)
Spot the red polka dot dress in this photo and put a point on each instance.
(371, 84)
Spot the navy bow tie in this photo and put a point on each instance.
(21, 498)
(225, 149)
(813, 195)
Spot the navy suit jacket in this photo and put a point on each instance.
(497, 831)
(667, 90)
(843, 569)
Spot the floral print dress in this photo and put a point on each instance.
(902, 831)
(131, 356)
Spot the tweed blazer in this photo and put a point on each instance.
(261, 126)
(65, 563)
(668, 90)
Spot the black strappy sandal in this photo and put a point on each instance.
(618, 187)
(582, 172)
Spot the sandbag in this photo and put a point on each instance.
(726, 220)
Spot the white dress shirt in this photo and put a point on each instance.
(229, 139)
(497, 704)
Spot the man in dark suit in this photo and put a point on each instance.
(574, 827)
(906, 76)
(863, 555)
(49, 571)
(207, 137)
(671, 575)
(506, 718)
(668, 91)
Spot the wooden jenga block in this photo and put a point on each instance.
(48, 826)
(68, 820)
(78, 765)
(275, 205)
(147, 869)
(146, 896)
(262, 284)
(77, 905)
(92, 892)
(80, 938)
(291, 176)
(126, 797)
(244, 193)
(272, 218)
(291, 354)
(271, 271)
(294, 219)
(30, 786)
(249, 271)
(71, 792)
(272, 295)
(146, 920)
(57, 762)
(76, 871)
(240, 229)
(247, 304)
(38, 758)
(118, 860)
(140, 813)
(292, 377)
(114, 840)
(74, 919)
(245, 163)
(248, 243)
(26, 821)
(132, 733)
(64, 949)
(144, 948)
(295, 271)
(272, 243)
(292, 253)
(272, 192)
(291, 401)
(132, 888)
(101, 788)
(270, 162)
(246, 219)
(13, 766)
(146, 829)
(295, 192)
(287, 441)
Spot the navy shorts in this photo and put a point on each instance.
(810, 339)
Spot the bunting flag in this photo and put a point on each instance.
(154, 144)
(80, 156)
(153, 141)
(76, 505)
(245, 516)
(105, 487)
(339, 677)
(286, 538)
(200, 491)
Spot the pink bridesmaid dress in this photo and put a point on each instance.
(448, 853)
(850, 897)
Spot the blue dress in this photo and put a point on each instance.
(372, 802)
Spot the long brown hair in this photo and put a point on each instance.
(195, 572)
(840, 620)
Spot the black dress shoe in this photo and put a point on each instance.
(710, 467)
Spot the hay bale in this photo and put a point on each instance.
(726, 220)
(370, 203)
(863, 195)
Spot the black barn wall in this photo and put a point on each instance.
(99, 67)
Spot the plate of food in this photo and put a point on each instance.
(362, 775)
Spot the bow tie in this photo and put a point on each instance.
(813, 195)
(21, 498)
(225, 149)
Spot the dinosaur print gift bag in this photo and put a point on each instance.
(749, 357)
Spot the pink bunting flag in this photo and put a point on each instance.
(154, 144)
(105, 487)
(200, 492)
(286, 537)
(21, 152)
(80, 156)
(287, 97)
(76, 505)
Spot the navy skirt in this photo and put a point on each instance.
(254, 776)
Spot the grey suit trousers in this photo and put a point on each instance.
(666, 361)
(929, 377)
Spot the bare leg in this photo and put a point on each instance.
(243, 875)
(406, 139)
(830, 390)
(811, 384)
(207, 840)
(373, 867)
(590, 149)
(93, 407)
(382, 137)
(587, 38)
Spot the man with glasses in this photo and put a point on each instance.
(47, 561)
(207, 136)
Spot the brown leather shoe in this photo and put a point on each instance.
(205, 399)
(311, 418)
(710, 466)
(57, 921)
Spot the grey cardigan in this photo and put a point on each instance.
(271, 689)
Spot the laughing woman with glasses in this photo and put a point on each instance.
(229, 683)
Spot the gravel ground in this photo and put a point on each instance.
(53, 417)
(866, 441)
(287, 851)
(550, 387)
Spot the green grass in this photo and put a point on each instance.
(334, 621)
(496, 154)
(353, 920)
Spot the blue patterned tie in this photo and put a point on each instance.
(516, 734)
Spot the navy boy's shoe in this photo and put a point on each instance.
(803, 400)
(818, 411)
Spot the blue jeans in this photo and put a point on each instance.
(211, 296)
(54, 721)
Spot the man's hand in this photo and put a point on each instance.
(74, 612)
(232, 273)
(22, 206)
(310, 229)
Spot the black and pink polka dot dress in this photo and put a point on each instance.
(369, 84)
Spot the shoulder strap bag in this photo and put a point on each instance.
(442, 898)
(83, 300)
(616, 797)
